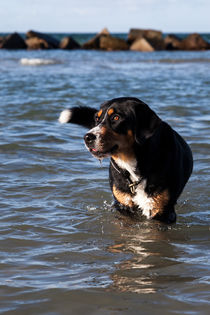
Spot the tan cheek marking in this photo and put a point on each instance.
(126, 157)
(160, 201)
(130, 134)
(103, 131)
(110, 111)
(124, 198)
(125, 152)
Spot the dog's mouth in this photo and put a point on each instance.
(101, 154)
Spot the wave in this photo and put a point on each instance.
(184, 60)
(37, 61)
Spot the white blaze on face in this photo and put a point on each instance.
(96, 132)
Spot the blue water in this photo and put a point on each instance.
(63, 250)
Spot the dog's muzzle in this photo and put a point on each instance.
(90, 140)
(97, 147)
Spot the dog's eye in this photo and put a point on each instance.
(115, 117)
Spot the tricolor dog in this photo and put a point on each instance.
(150, 163)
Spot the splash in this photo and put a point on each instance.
(37, 61)
(100, 161)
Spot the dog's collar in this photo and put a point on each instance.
(132, 185)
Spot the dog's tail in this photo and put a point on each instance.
(65, 116)
(82, 115)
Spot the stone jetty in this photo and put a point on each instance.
(142, 40)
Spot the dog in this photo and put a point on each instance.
(150, 163)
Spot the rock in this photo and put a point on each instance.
(51, 41)
(153, 37)
(13, 41)
(104, 31)
(94, 43)
(172, 42)
(194, 42)
(104, 41)
(148, 34)
(1, 40)
(108, 42)
(158, 44)
(68, 43)
(37, 43)
(141, 44)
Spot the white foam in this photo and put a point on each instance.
(65, 116)
(37, 61)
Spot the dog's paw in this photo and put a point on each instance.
(65, 116)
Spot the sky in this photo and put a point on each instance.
(85, 16)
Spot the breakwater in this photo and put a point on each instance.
(136, 40)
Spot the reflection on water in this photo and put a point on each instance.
(129, 276)
(152, 256)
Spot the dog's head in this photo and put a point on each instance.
(119, 124)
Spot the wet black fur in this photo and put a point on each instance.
(163, 157)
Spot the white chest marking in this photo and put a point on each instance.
(140, 198)
(130, 167)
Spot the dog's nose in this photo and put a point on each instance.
(89, 137)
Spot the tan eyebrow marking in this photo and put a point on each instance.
(110, 111)
(99, 113)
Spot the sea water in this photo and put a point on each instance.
(63, 249)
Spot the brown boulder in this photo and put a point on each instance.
(108, 42)
(94, 43)
(158, 44)
(194, 42)
(141, 44)
(13, 41)
(104, 41)
(1, 39)
(68, 43)
(104, 31)
(135, 33)
(37, 43)
(153, 37)
(49, 41)
(172, 42)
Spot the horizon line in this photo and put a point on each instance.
(96, 32)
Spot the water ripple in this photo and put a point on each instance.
(61, 242)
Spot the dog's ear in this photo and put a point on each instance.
(146, 122)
